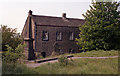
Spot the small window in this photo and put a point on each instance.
(45, 35)
(71, 36)
(59, 36)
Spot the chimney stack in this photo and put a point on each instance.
(64, 15)
(30, 12)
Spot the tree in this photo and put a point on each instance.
(10, 37)
(102, 27)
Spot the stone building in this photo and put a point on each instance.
(45, 34)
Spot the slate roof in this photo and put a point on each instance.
(57, 21)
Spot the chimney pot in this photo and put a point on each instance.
(30, 12)
(64, 15)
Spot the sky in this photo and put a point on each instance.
(13, 13)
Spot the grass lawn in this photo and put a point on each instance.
(77, 66)
(84, 66)
(81, 66)
(99, 53)
(93, 53)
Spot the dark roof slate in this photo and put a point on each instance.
(57, 21)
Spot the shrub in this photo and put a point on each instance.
(12, 55)
(63, 60)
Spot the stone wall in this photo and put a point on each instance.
(48, 46)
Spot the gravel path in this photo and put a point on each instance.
(38, 64)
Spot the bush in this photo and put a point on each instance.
(12, 55)
(63, 60)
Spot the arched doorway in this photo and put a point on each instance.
(43, 54)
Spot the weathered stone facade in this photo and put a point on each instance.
(44, 33)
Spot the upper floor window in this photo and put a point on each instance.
(71, 36)
(58, 35)
(45, 35)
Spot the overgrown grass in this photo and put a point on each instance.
(84, 66)
(99, 53)
(17, 69)
(75, 66)
(81, 66)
